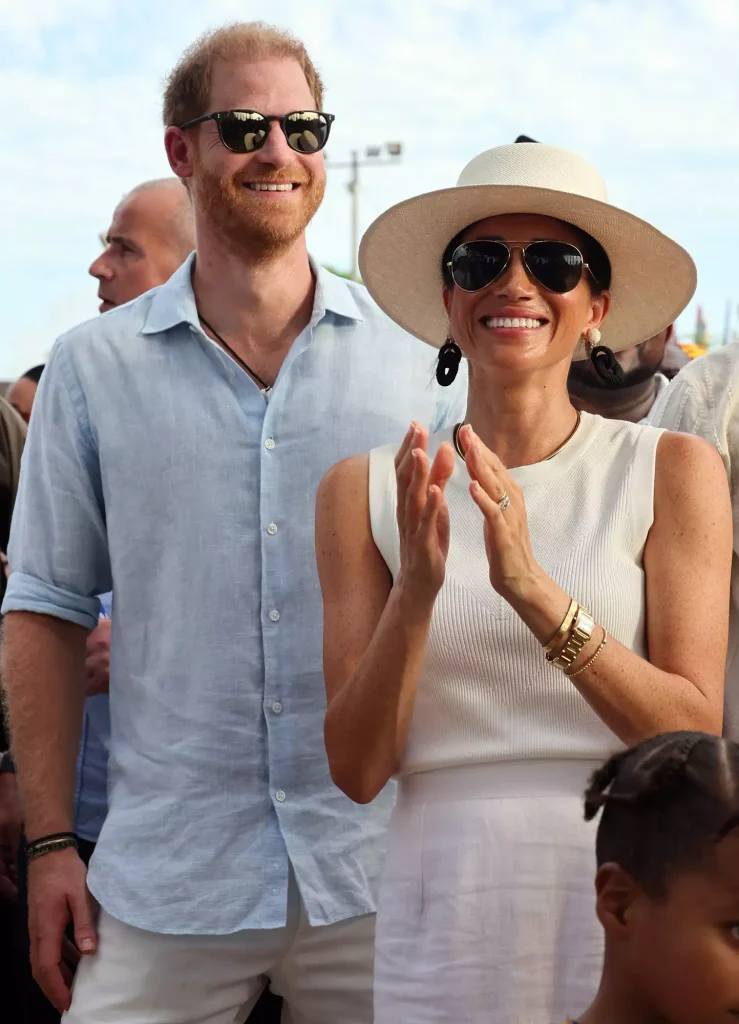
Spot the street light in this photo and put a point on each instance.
(372, 157)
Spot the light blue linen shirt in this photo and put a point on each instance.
(91, 786)
(155, 468)
(91, 789)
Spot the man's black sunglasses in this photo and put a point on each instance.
(244, 131)
(557, 266)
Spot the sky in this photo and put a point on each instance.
(646, 89)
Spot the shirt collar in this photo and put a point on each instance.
(173, 303)
(333, 295)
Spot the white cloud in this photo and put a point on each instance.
(647, 91)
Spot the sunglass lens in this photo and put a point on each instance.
(555, 265)
(243, 131)
(306, 131)
(475, 265)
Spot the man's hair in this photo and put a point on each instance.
(187, 93)
(34, 373)
(666, 804)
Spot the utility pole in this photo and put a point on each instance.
(373, 157)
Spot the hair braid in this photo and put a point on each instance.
(666, 804)
(600, 780)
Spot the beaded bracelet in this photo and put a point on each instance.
(595, 657)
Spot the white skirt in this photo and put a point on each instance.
(487, 907)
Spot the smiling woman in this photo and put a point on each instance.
(529, 598)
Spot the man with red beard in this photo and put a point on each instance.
(176, 451)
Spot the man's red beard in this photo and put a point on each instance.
(259, 226)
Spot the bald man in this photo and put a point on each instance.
(152, 234)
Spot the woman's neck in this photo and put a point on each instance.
(522, 422)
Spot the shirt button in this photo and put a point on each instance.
(280, 796)
(274, 615)
(272, 529)
(277, 707)
(269, 444)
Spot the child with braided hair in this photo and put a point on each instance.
(668, 882)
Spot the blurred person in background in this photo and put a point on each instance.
(704, 400)
(634, 392)
(12, 439)
(675, 358)
(177, 448)
(150, 236)
(22, 392)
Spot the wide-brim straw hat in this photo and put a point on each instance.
(653, 278)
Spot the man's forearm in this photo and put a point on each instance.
(43, 675)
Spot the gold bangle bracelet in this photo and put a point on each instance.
(595, 657)
(582, 634)
(564, 628)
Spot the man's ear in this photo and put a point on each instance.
(616, 896)
(178, 152)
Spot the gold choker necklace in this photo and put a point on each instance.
(557, 450)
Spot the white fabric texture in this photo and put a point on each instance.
(486, 906)
(323, 972)
(486, 692)
(704, 400)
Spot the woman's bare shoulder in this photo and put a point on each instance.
(690, 474)
(677, 454)
(345, 485)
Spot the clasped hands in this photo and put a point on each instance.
(423, 515)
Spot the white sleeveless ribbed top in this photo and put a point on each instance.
(486, 692)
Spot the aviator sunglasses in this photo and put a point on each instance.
(556, 266)
(244, 131)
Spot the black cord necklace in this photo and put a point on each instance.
(264, 386)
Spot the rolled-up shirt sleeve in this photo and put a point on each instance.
(58, 551)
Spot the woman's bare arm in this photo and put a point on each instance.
(375, 633)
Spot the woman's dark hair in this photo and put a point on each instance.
(666, 804)
(594, 253)
(34, 373)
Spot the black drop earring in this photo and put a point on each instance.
(603, 359)
(607, 366)
(450, 356)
